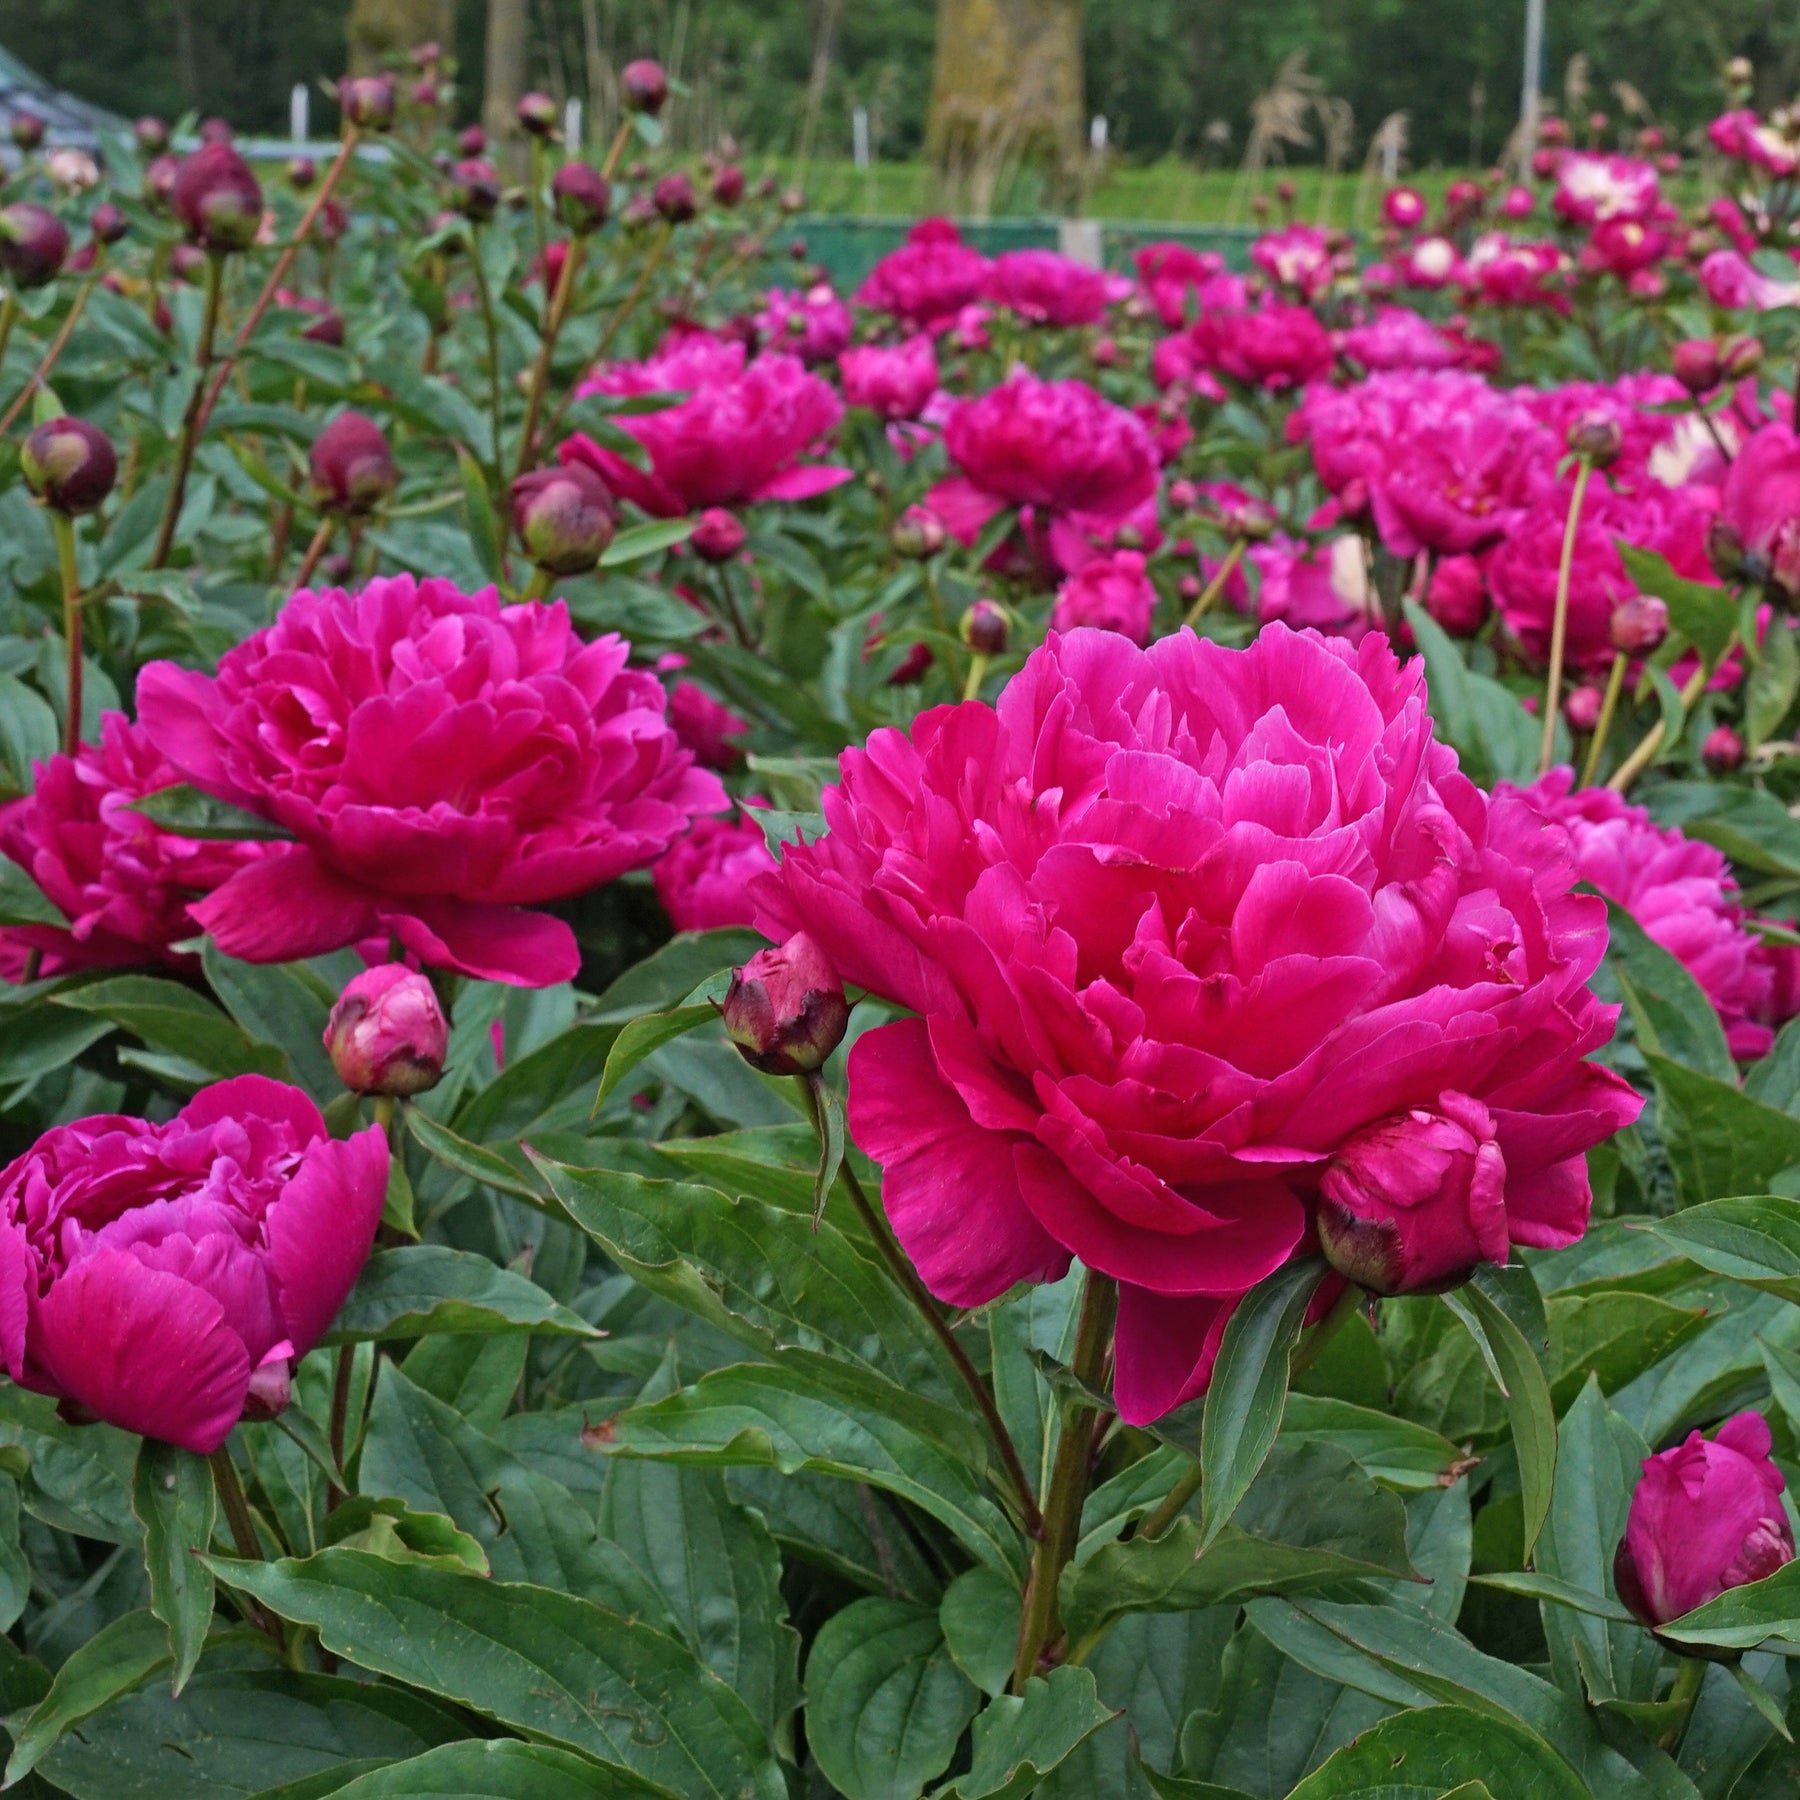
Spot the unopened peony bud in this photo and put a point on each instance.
(785, 1009)
(218, 199)
(718, 536)
(27, 130)
(302, 172)
(674, 198)
(583, 197)
(327, 326)
(728, 185)
(1247, 519)
(564, 516)
(1707, 1516)
(1457, 598)
(34, 244)
(108, 223)
(1596, 437)
(159, 182)
(69, 465)
(1740, 356)
(644, 86)
(387, 1034)
(1726, 552)
(1411, 1204)
(369, 102)
(475, 189)
(472, 141)
(152, 135)
(985, 628)
(1581, 707)
(1723, 750)
(351, 466)
(1739, 72)
(918, 533)
(1639, 625)
(1697, 365)
(537, 115)
(792, 201)
(216, 131)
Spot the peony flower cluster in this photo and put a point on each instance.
(1177, 925)
(928, 281)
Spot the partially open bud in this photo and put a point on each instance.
(674, 198)
(218, 199)
(152, 135)
(583, 197)
(1639, 625)
(34, 244)
(1723, 750)
(387, 1034)
(368, 102)
(564, 517)
(1597, 438)
(728, 185)
(159, 182)
(69, 464)
(1411, 1204)
(302, 172)
(537, 115)
(918, 533)
(351, 466)
(1697, 365)
(108, 223)
(27, 130)
(985, 628)
(719, 535)
(644, 86)
(785, 1009)
(475, 189)
(1740, 356)
(1581, 707)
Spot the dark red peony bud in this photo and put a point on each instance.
(69, 464)
(27, 130)
(369, 102)
(583, 197)
(564, 516)
(728, 185)
(1697, 365)
(918, 533)
(644, 86)
(985, 628)
(216, 131)
(1723, 750)
(674, 198)
(719, 535)
(218, 199)
(327, 326)
(472, 140)
(351, 466)
(1639, 625)
(537, 115)
(159, 182)
(387, 1034)
(1596, 437)
(108, 223)
(475, 189)
(425, 95)
(152, 135)
(302, 172)
(34, 244)
(785, 1009)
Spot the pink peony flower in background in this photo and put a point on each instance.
(814, 326)
(1326, 587)
(1181, 284)
(1404, 208)
(1458, 596)
(1111, 593)
(1177, 924)
(893, 384)
(1502, 271)
(1759, 503)
(705, 726)
(1707, 1516)
(736, 440)
(928, 280)
(443, 761)
(1432, 262)
(1592, 188)
(703, 881)
(124, 884)
(1399, 338)
(1624, 247)
(1277, 347)
(166, 1278)
(1049, 288)
(1297, 257)
(1682, 893)
(1730, 281)
(1744, 135)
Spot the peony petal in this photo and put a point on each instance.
(492, 943)
(803, 482)
(173, 708)
(1164, 1350)
(142, 1350)
(321, 1229)
(283, 907)
(18, 1284)
(947, 1185)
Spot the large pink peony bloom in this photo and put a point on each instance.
(813, 326)
(1298, 257)
(892, 383)
(1706, 1516)
(442, 759)
(928, 280)
(738, 438)
(704, 880)
(1181, 283)
(1592, 188)
(1682, 893)
(1275, 347)
(1111, 593)
(1080, 463)
(1177, 924)
(166, 1277)
(1760, 503)
(124, 884)
(1049, 288)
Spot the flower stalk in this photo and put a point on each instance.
(1559, 622)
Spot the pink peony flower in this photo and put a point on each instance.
(1760, 503)
(928, 280)
(124, 884)
(1049, 288)
(736, 440)
(1399, 338)
(1297, 257)
(1624, 247)
(1707, 1516)
(1181, 284)
(1177, 924)
(1682, 893)
(1277, 347)
(1432, 262)
(1743, 135)
(1327, 588)
(442, 760)
(703, 881)
(893, 383)
(1458, 598)
(1504, 272)
(165, 1278)
(1592, 188)
(814, 326)
(1111, 593)
(1731, 282)
(684, 363)
(705, 726)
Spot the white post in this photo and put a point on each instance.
(1097, 132)
(859, 136)
(1534, 73)
(1390, 159)
(299, 103)
(572, 125)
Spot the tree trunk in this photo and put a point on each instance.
(382, 30)
(1006, 96)
(503, 83)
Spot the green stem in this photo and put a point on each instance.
(340, 1412)
(1559, 622)
(62, 528)
(537, 196)
(621, 138)
(192, 419)
(538, 587)
(555, 311)
(486, 297)
(917, 1292)
(236, 1508)
(978, 668)
(41, 373)
(1690, 1672)
(9, 317)
(1041, 1624)
(315, 550)
(1216, 586)
(1609, 705)
(1641, 758)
